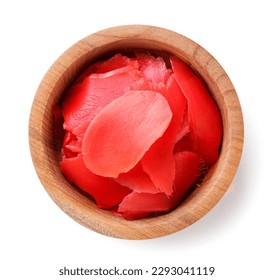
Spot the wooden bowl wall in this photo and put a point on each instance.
(45, 147)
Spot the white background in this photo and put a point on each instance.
(37, 238)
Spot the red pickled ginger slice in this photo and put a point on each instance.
(154, 70)
(137, 180)
(139, 205)
(84, 100)
(71, 145)
(105, 191)
(204, 118)
(123, 131)
(115, 62)
(159, 162)
(88, 71)
(188, 166)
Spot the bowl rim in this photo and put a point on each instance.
(69, 65)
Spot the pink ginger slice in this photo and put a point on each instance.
(71, 145)
(137, 180)
(159, 162)
(115, 62)
(188, 167)
(154, 70)
(203, 115)
(84, 100)
(105, 191)
(123, 131)
(139, 205)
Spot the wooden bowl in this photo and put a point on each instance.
(45, 148)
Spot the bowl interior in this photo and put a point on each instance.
(45, 130)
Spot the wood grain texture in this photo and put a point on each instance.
(45, 146)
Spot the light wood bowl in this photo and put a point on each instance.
(45, 148)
